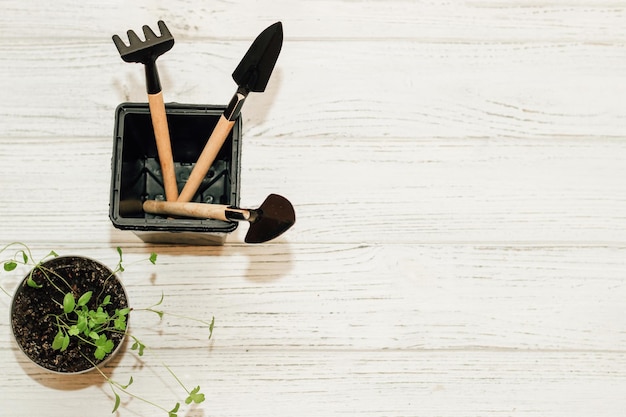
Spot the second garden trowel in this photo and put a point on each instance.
(252, 74)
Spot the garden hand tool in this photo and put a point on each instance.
(252, 74)
(274, 217)
(147, 52)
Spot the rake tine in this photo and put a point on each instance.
(164, 30)
(133, 38)
(119, 43)
(149, 34)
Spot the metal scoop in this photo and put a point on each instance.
(274, 217)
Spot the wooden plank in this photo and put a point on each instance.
(457, 171)
(372, 297)
(373, 330)
(313, 382)
(562, 191)
(470, 21)
(333, 89)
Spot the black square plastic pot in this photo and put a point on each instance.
(136, 173)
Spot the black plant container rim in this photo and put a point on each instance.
(68, 260)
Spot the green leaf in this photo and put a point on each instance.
(153, 258)
(138, 346)
(84, 299)
(10, 266)
(117, 402)
(95, 336)
(106, 301)
(68, 303)
(120, 323)
(99, 353)
(24, 257)
(98, 317)
(103, 342)
(103, 346)
(211, 326)
(66, 342)
(58, 340)
(123, 312)
(119, 264)
(174, 411)
(195, 395)
(53, 254)
(81, 323)
(74, 330)
(130, 381)
(31, 283)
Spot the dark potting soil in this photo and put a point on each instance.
(34, 327)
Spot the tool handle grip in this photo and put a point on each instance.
(164, 146)
(206, 158)
(196, 210)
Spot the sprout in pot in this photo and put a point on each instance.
(70, 314)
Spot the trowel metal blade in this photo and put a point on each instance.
(275, 216)
(255, 69)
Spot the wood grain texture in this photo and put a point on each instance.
(455, 330)
(164, 144)
(561, 190)
(457, 170)
(524, 21)
(358, 89)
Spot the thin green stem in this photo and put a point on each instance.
(14, 258)
(176, 378)
(45, 271)
(114, 384)
(25, 250)
(180, 316)
(5, 291)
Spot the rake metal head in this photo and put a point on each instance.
(146, 51)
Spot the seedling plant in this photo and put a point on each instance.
(76, 321)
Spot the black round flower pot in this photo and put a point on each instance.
(35, 312)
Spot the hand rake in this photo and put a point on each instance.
(146, 52)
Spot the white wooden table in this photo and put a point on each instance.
(458, 171)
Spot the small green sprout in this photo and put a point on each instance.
(138, 346)
(10, 266)
(103, 346)
(174, 411)
(22, 256)
(88, 326)
(194, 395)
(80, 321)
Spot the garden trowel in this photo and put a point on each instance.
(274, 217)
(252, 74)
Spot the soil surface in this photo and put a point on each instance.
(35, 329)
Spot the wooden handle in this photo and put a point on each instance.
(164, 146)
(196, 210)
(212, 147)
